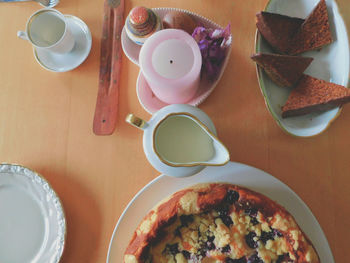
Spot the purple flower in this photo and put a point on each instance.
(199, 33)
(212, 44)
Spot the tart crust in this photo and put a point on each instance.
(219, 222)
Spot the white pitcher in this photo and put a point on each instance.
(180, 140)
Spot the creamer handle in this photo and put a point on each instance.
(136, 121)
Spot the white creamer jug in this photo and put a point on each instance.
(180, 140)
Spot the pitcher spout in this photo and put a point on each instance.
(221, 154)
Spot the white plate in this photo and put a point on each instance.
(330, 64)
(146, 98)
(32, 222)
(65, 62)
(235, 173)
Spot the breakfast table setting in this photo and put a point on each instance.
(129, 126)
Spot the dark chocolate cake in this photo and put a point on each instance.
(313, 95)
(284, 70)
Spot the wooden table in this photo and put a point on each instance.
(46, 124)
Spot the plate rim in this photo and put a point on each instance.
(262, 88)
(241, 165)
(59, 201)
(125, 211)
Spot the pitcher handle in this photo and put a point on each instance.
(135, 121)
(23, 35)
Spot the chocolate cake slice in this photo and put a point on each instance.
(284, 70)
(312, 95)
(314, 33)
(278, 30)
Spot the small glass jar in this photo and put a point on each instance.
(141, 23)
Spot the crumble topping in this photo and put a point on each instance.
(219, 223)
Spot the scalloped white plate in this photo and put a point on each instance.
(146, 98)
(330, 64)
(234, 173)
(32, 222)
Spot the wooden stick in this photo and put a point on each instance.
(106, 111)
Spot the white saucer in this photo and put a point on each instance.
(32, 222)
(234, 173)
(65, 62)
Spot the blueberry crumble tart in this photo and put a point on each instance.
(219, 222)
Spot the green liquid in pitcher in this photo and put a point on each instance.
(179, 139)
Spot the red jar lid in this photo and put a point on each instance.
(138, 15)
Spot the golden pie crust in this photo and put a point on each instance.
(219, 222)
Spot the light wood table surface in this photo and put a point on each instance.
(46, 125)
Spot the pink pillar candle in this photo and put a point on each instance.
(171, 61)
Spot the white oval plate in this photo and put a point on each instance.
(148, 101)
(330, 64)
(235, 173)
(32, 222)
